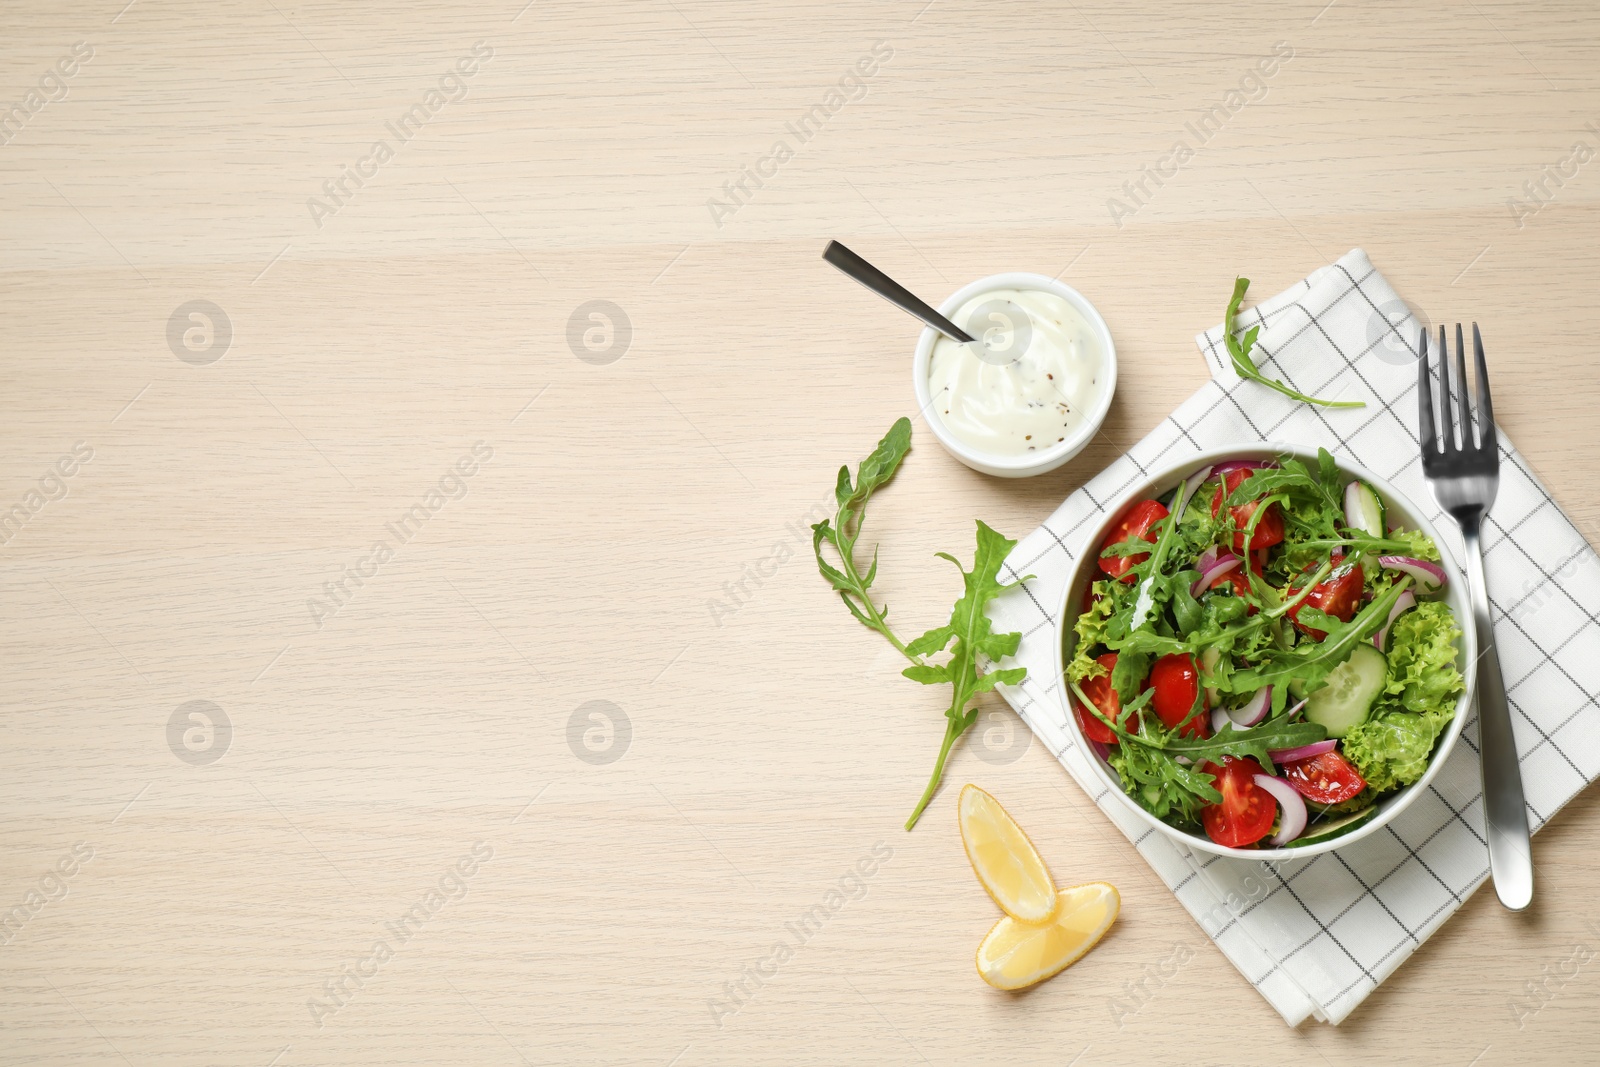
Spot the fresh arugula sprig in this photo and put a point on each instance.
(1293, 476)
(1240, 351)
(874, 472)
(1164, 771)
(1256, 742)
(969, 630)
(1312, 662)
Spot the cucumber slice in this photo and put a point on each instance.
(1360, 802)
(1336, 828)
(1352, 688)
(1363, 509)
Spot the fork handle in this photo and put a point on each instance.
(1505, 814)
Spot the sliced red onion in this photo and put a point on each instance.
(1403, 603)
(1190, 484)
(1207, 558)
(1289, 755)
(1292, 805)
(1254, 711)
(1224, 563)
(1429, 576)
(1242, 465)
(1101, 749)
(1292, 712)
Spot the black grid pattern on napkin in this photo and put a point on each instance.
(1406, 881)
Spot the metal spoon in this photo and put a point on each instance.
(903, 298)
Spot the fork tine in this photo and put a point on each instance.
(1486, 434)
(1458, 378)
(1447, 433)
(1430, 441)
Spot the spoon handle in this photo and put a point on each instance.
(891, 290)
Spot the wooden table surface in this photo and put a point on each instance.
(501, 615)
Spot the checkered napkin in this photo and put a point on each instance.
(1316, 936)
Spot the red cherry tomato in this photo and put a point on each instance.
(1246, 812)
(1269, 531)
(1105, 698)
(1176, 681)
(1328, 778)
(1135, 524)
(1339, 596)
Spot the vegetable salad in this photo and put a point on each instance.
(1261, 658)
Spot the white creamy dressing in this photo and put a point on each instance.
(1052, 377)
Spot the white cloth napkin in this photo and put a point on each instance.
(1317, 936)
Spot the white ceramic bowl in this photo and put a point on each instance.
(1401, 512)
(1037, 462)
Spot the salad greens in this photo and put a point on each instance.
(1242, 364)
(1392, 747)
(1258, 621)
(967, 637)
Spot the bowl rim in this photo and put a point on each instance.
(1164, 477)
(1054, 456)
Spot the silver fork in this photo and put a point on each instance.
(1464, 478)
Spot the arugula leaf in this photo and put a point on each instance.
(1310, 663)
(1186, 610)
(973, 638)
(874, 472)
(1148, 762)
(1150, 584)
(1290, 475)
(1255, 742)
(1398, 543)
(1240, 352)
(1129, 673)
(1161, 785)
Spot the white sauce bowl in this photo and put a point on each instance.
(1046, 459)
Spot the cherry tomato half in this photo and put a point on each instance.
(1328, 778)
(1339, 596)
(1269, 531)
(1135, 524)
(1176, 681)
(1105, 698)
(1246, 812)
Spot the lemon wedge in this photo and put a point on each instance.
(1015, 955)
(1005, 861)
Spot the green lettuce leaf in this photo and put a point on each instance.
(1422, 660)
(1091, 632)
(1391, 749)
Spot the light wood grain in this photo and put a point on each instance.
(772, 747)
